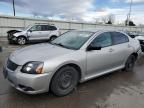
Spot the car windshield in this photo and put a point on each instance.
(28, 26)
(72, 39)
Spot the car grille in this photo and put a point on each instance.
(11, 65)
(10, 36)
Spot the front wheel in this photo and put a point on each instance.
(130, 63)
(64, 81)
(21, 40)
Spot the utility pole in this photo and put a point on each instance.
(14, 7)
(0, 48)
(129, 15)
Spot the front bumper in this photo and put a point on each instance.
(28, 83)
(11, 38)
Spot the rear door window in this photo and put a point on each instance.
(48, 28)
(45, 27)
(119, 38)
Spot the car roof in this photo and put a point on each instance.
(44, 24)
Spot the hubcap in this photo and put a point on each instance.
(65, 80)
(21, 41)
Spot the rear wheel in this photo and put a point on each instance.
(64, 81)
(21, 40)
(53, 38)
(130, 63)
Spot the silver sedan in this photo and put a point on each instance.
(76, 56)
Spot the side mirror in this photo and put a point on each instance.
(132, 36)
(90, 48)
(30, 31)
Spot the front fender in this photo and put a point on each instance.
(23, 33)
(66, 63)
(77, 57)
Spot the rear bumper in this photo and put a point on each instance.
(28, 83)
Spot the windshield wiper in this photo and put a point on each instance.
(59, 44)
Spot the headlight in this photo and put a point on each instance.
(33, 67)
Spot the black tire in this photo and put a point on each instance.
(130, 63)
(53, 38)
(21, 40)
(64, 81)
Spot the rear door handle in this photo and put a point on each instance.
(111, 50)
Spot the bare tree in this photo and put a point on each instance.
(129, 23)
(97, 20)
(104, 19)
(109, 19)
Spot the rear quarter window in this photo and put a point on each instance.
(52, 28)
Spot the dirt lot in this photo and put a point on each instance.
(116, 90)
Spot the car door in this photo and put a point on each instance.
(54, 31)
(35, 32)
(121, 48)
(46, 32)
(99, 61)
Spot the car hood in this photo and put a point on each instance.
(20, 33)
(39, 52)
(15, 30)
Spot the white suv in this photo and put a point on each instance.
(36, 32)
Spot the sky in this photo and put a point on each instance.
(80, 10)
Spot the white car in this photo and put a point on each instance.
(36, 32)
(139, 37)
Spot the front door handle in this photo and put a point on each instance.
(111, 50)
